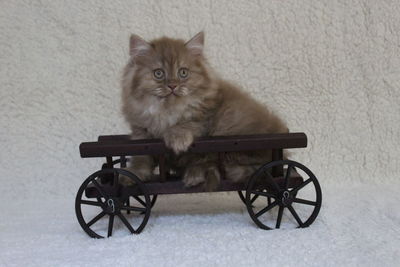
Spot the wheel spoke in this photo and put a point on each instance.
(294, 213)
(110, 225)
(287, 176)
(306, 182)
(241, 196)
(153, 201)
(127, 224)
(92, 203)
(267, 208)
(254, 198)
(98, 187)
(95, 219)
(103, 205)
(304, 201)
(123, 161)
(129, 208)
(279, 219)
(274, 184)
(265, 194)
(140, 200)
(127, 203)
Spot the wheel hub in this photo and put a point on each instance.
(112, 206)
(286, 198)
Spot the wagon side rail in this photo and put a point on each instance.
(121, 145)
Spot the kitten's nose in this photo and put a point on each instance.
(172, 86)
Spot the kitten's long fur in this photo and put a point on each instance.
(201, 104)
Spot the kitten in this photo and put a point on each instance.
(169, 91)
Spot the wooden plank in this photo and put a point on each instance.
(176, 186)
(120, 146)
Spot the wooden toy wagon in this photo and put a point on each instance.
(274, 187)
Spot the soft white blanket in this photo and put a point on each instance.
(359, 225)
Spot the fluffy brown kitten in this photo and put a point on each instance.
(170, 92)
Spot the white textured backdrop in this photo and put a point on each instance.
(329, 68)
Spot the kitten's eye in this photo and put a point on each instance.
(183, 73)
(158, 74)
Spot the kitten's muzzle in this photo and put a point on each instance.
(172, 86)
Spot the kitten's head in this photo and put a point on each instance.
(167, 70)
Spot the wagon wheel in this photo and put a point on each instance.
(109, 200)
(285, 194)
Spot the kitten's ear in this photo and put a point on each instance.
(196, 44)
(138, 46)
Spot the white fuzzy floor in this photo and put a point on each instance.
(359, 225)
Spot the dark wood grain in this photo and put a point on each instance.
(174, 185)
(121, 145)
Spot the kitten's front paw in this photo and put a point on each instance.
(178, 141)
